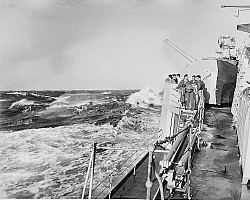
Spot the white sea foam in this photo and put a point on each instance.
(146, 96)
(39, 95)
(106, 92)
(60, 102)
(74, 100)
(22, 102)
(18, 93)
(52, 162)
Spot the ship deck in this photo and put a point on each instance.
(216, 173)
(134, 187)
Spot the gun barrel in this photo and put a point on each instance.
(190, 58)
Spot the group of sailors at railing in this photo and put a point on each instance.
(174, 78)
(191, 91)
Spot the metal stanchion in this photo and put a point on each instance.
(92, 171)
(86, 179)
(189, 162)
(149, 183)
(110, 186)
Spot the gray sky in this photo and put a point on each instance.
(106, 44)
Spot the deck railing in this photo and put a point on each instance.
(106, 186)
(169, 128)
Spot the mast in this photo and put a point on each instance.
(190, 58)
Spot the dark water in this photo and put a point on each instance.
(46, 138)
(40, 109)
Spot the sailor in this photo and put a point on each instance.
(193, 81)
(195, 97)
(200, 87)
(190, 96)
(200, 83)
(174, 78)
(183, 82)
(171, 78)
(182, 88)
(167, 80)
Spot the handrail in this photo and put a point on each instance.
(86, 179)
(167, 152)
(136, 150)
(92, 171)
(119, 174)
(118, 148)
(149, 182)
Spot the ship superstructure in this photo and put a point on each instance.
(219, 74)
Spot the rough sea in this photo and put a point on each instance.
(46, 139)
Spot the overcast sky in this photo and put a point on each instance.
(106, 44)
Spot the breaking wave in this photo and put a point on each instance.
(147, 97)
(43, 96)
(40, 109)
(75, 100)
(18, 93)
(106, 92)
(45, 142)
(22, 102)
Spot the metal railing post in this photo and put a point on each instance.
(110, 186)
(86, 179)
(189, 161)
(150, 160)
(92, 171)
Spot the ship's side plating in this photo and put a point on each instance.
(241, 109)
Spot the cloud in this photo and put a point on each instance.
(103, 44)
(27, 75)
(34, 29)
(15, 37)
(125, 60)
(26, 4)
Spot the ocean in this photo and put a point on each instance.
(46, 139)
